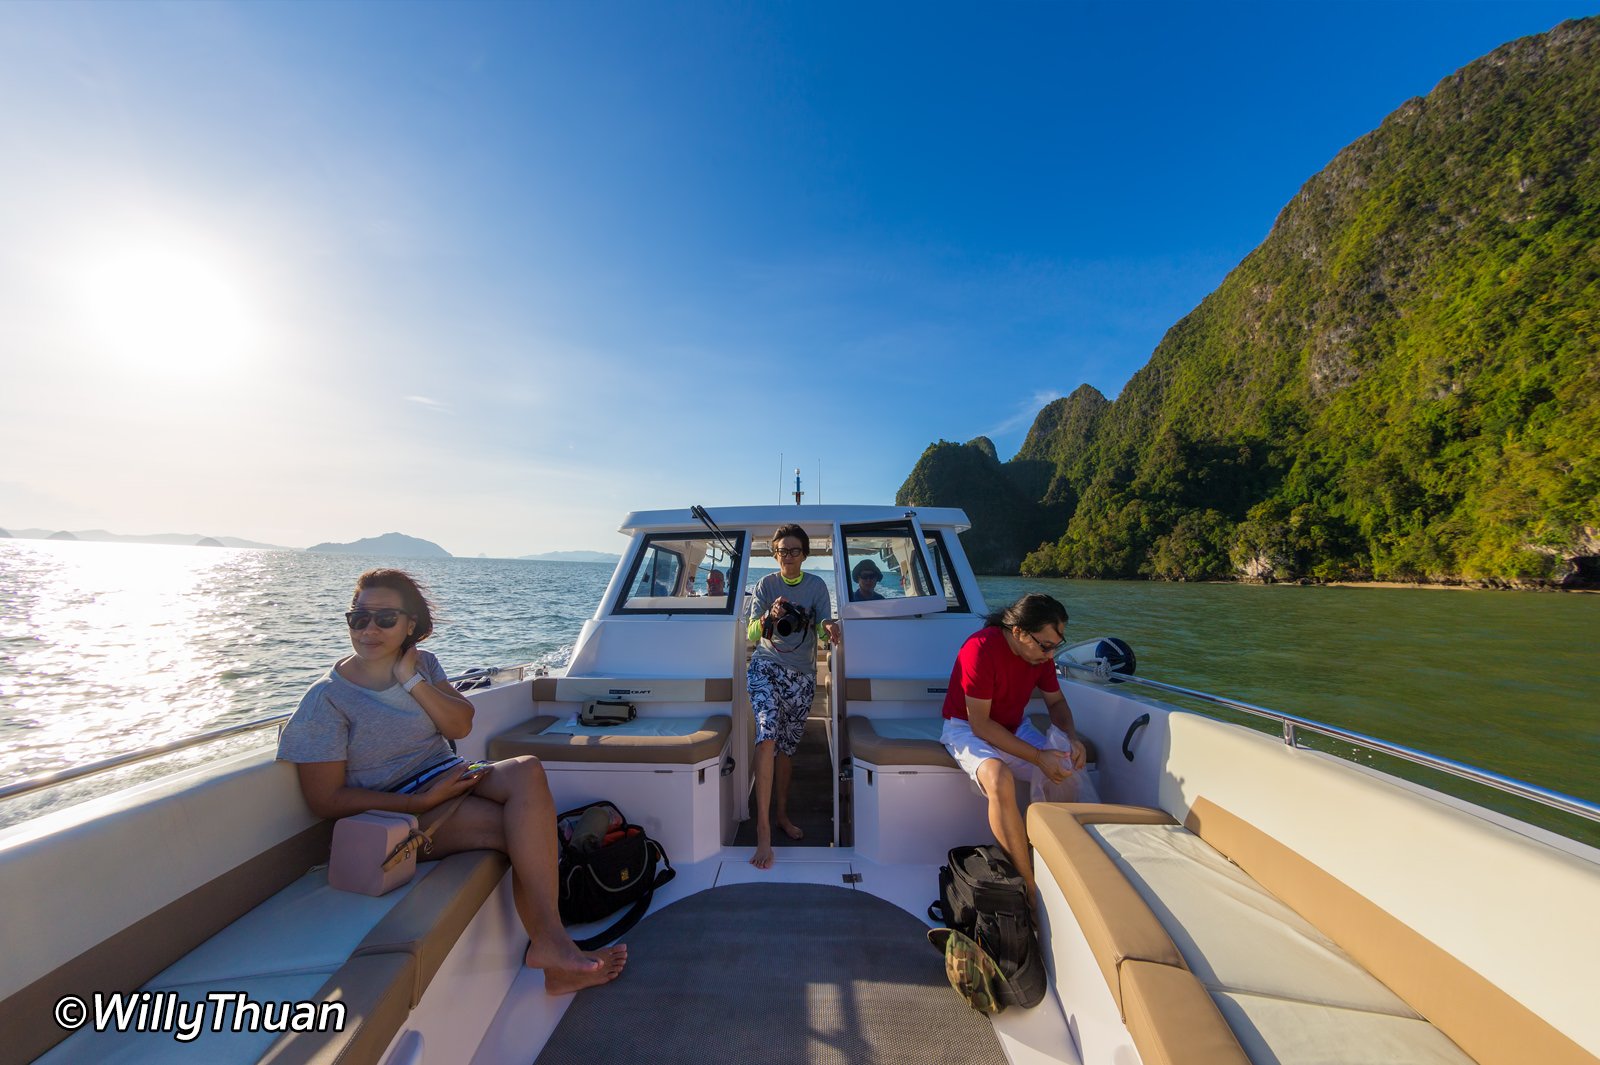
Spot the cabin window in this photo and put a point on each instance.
(954, 601)
(676, 573)
(883, 562)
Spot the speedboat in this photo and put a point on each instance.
(1238, 895)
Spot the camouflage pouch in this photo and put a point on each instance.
(969, 969)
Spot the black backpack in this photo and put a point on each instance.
(982, 896)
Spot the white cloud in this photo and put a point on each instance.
(431, 404)
(1026, 412)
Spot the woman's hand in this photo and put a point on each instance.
(1080, 754)
(405, 665)
(449, 785)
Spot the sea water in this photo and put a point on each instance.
(106, 648)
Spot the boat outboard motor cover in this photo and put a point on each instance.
(1103, 656)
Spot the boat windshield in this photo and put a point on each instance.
(683, 573)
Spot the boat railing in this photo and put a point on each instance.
(1292, 725)
(474, 677)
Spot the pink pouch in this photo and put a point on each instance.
(375, 852)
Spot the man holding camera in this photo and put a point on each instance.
(790, 609)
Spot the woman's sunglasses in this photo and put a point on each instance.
(384, 619)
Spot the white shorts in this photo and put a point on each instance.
(970, 752)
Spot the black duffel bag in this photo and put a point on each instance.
(606, 864)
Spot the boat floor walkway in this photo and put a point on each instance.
(777, 972)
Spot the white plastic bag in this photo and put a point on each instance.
(1077, 787)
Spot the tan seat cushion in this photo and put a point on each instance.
(532, 737)
(1115, 920)
(868, 745)
(432, 916)
(376, 992)
(1173, 1019)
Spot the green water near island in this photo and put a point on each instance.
(1505, 681)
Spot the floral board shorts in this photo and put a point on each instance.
(781, 699)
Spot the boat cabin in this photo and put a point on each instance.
(671, 637)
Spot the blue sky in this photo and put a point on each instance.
(494, 275)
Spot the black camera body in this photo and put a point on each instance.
(790, 620)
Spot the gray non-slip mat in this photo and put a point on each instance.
(782, 973)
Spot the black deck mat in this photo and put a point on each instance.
(783, 973)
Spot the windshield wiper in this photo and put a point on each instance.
(700, 515)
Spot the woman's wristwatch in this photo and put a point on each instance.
(416, 678)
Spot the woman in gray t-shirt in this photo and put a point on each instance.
(373, 734)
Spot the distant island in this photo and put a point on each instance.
(572, 556)
(1397, 385)
(397, 544)
(174, 539)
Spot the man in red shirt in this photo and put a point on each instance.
(997, 671)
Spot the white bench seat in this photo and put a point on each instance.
(1220, 945)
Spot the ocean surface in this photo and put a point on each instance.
(106, 648)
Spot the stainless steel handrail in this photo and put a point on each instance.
(1291, 723)
(78, 772)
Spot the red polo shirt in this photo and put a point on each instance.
(987, 668)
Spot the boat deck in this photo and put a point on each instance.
(709, 957)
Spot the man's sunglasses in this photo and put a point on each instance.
(384, 619)
(1047, 648)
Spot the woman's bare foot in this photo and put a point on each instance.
(790, 829)
(559, 954)
(762, 858)
(608, 961)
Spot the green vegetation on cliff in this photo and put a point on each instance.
(1402, 382)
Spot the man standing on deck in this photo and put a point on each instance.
(790, 608)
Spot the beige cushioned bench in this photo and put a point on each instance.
(868, 745)
(704, 738)
(307, 942)
(1220, 946)
(273, 931)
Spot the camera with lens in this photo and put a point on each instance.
(790, 619)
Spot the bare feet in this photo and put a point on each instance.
(790, 829)
(762, 858)
(608, 961)
(549, 952)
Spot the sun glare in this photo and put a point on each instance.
(163, 307)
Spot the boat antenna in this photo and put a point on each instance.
(798, 491)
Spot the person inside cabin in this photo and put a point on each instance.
(789, 611)
(715, 583)
(374, 734)
(866, 575)
(986, 731)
